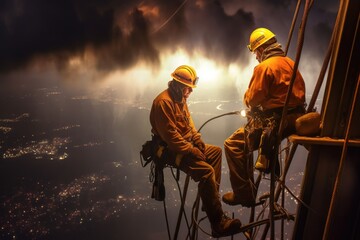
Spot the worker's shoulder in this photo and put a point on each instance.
(163, 97)
(276, 61)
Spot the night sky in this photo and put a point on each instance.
(77, 79)
(118, 35)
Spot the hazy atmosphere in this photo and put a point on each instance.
(77, 79)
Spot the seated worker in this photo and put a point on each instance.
(266, 92)
(173, 127)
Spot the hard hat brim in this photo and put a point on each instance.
(176, 78)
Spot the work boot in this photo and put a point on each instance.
(225, 227)
(221, 225)
(231, 198)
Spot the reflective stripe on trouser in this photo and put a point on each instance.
(241, 167)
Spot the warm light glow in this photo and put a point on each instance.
(134, 82)
(243, 113)
(212, 74)
(75, 62)
(208, 72)
(149, 11)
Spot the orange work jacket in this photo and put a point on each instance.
(269, 84)
(171, 121)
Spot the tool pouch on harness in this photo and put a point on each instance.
(152, 152)
(267, 147)
(147, 153)
(260, 133)
(253, 130)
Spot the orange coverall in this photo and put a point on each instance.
(267, 89)
(171, 121)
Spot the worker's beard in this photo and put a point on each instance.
(176, 90)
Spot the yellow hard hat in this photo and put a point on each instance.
(258, 37)
(186, 75)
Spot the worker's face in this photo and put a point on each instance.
(258, 53)
(187, 91)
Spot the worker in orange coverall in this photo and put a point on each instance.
(181, 146)
(266, 93)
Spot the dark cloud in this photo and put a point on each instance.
(30, 28)
(125, 49)
(207, 28)
(321, 23)
(221, 36)
(176, 30)
(319, 44)
(120, 34)
(279, 3)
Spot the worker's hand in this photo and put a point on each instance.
(200, 144)
(195, 152)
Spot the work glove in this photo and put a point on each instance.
(196, 153)
(199, 144)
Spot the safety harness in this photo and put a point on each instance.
(261, 133)
(153, 152)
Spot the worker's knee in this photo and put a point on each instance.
(227, 144)
(217, 151)
(203, 173)
(213, 153)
